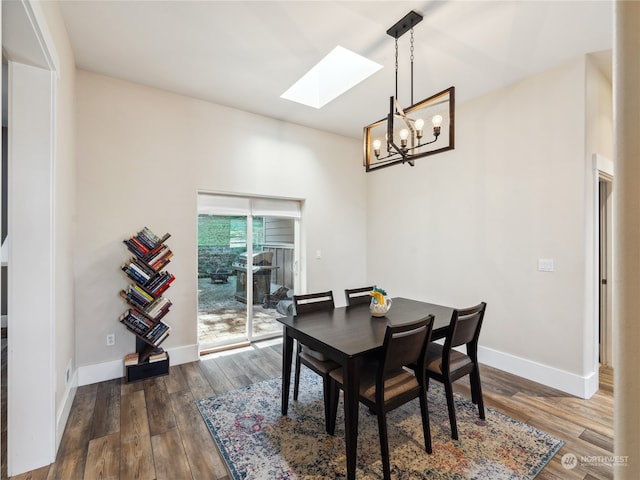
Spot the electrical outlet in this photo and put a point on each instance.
(111, 339)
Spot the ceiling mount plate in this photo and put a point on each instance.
(405, 24)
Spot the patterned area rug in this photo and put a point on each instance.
(258, 443)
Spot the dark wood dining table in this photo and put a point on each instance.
(347, 335)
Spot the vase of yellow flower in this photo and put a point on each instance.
(380, 303)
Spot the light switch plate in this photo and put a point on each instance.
(545, 265)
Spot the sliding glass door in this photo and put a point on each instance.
(247, 260)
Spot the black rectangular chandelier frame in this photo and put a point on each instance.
(412, 145)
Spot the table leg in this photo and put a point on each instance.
(287, 354)
(351, 388)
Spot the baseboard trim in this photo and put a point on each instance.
(579, 386)
(101, 372)
(65, 410)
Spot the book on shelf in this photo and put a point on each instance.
(131, 359)
(133, 248)
(135, 324)
(156, 307)
(143, 266)
(158, 254)
(135, 298)
(151, 238)
(158, 333)
(158, 357)
(135, 274)
(140, 245)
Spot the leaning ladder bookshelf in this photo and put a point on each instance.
(147, 305)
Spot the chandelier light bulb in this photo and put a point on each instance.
(404, 134)
(376, 147)
(437, 120)
(419, 127)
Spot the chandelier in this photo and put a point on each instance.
(402, 137)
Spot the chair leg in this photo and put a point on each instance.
(384, 444)
(477, 387)
(472, 384)
(426, 426)
(448, 388)
(296, 382)
(334, 396)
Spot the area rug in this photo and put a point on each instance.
(257, 442)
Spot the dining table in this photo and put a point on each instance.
(347, 335)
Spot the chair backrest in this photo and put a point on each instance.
(465, 325)
(356, 296)
(406, 345)
(312, 302)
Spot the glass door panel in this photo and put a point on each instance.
(273, 246)
(222, 280)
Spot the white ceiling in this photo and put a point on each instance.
(246, 54)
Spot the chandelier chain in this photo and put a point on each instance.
(411, 50)
(396, 68)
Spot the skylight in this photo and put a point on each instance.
(332, 76)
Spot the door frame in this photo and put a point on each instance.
(254, 209)
(33, 66)
(604, 172)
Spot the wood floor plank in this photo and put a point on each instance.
(103, 458)
(39, 474)
(196, 381)
(594, 438)
(204, 460)
(130, 387)
(161, 418)
(106, 417)
(135, 441)
(175, 381)
(69, 467)
(215, 376)
(169, 456)
(77, 433)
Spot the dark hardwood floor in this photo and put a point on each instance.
(152, 429)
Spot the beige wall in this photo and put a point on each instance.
(470, 225)
(143, 154)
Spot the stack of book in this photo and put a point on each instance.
(145, 243)
(159, 283)
(159, 259)
(136, 294)
(131, 359)
(158, 333)
(136, 321)
(157, 356)
(158, 308)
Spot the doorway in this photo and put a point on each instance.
(247, 268)
(605, 295)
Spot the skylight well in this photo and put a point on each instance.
(332, 76)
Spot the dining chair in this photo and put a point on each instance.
(386, 385)
(356, 296)
(312, 359)
(446, 365)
